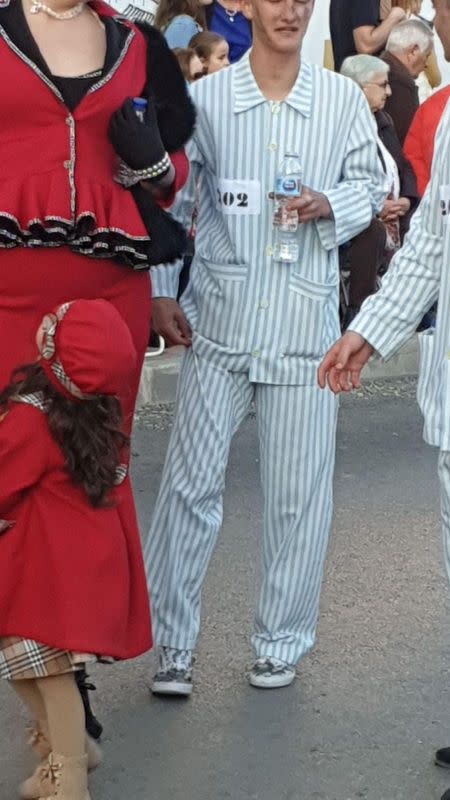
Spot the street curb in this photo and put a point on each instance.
(160, 374)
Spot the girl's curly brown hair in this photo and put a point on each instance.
(88, 432)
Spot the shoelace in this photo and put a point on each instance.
(267, 665)
(174, 674)
(173, 659)
(51, 770)
(36, 737)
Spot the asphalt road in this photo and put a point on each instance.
(370, 703)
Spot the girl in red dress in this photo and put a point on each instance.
(65, 492)
(68, 228)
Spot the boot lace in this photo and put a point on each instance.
(51, 771)
(36, 737)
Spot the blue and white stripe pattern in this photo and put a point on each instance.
(260, 328)
(296, 428)
(274, 320)
(419, 274)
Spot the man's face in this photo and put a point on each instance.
(442, 24)
(279, 24)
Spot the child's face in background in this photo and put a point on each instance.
(219, 57)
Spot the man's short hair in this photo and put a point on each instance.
(410, 33)
(363, 68)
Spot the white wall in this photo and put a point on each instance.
(319, 31)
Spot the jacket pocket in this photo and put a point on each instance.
(305, 320)
(426, 341)
(220, 298)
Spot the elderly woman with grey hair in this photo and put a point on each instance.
(372, 249)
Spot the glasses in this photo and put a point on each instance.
(384, 85)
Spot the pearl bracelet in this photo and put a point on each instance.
(129, 177)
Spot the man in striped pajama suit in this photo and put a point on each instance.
(418, 276)
(255, 330)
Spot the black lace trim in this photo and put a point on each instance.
(84, 238)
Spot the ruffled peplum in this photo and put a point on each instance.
(106, 222)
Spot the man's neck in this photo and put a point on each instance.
(274, 74)
(398, 60)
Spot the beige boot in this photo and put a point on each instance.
(38, 784)
(68, 778)
(38, 741)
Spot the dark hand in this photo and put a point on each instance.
(311, 205)
(169, 321)
(137, 143)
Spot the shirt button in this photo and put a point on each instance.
(67, 165)
(255, 354)
(275, 108)
(269, 250)
(263, 305)
(69, 120)
(273, 146)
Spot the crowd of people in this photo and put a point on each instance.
(396, 33)
(154, 152)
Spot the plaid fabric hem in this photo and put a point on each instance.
(24, 659)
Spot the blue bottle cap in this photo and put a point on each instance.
(139, 103)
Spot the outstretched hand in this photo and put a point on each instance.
(341, 366)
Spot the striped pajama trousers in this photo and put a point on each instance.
(444, 479)
(296, 429)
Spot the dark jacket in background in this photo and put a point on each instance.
(404, 102)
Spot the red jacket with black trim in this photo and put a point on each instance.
(57, 168)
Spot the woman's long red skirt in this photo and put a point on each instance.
(32, 283)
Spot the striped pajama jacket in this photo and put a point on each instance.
(418, 276)
(259, 331)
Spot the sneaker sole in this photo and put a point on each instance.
(271, 683)
(443, 764)
(172, 688)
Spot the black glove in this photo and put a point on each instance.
(137, 143)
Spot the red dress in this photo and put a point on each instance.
(71, 576)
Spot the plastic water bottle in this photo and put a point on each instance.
(140, 107)
(288, 184)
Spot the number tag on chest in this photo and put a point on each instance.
(238, 197)
(445, 203)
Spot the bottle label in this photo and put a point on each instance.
(288, 187)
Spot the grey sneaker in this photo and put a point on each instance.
(270, 673)
(174, 676)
